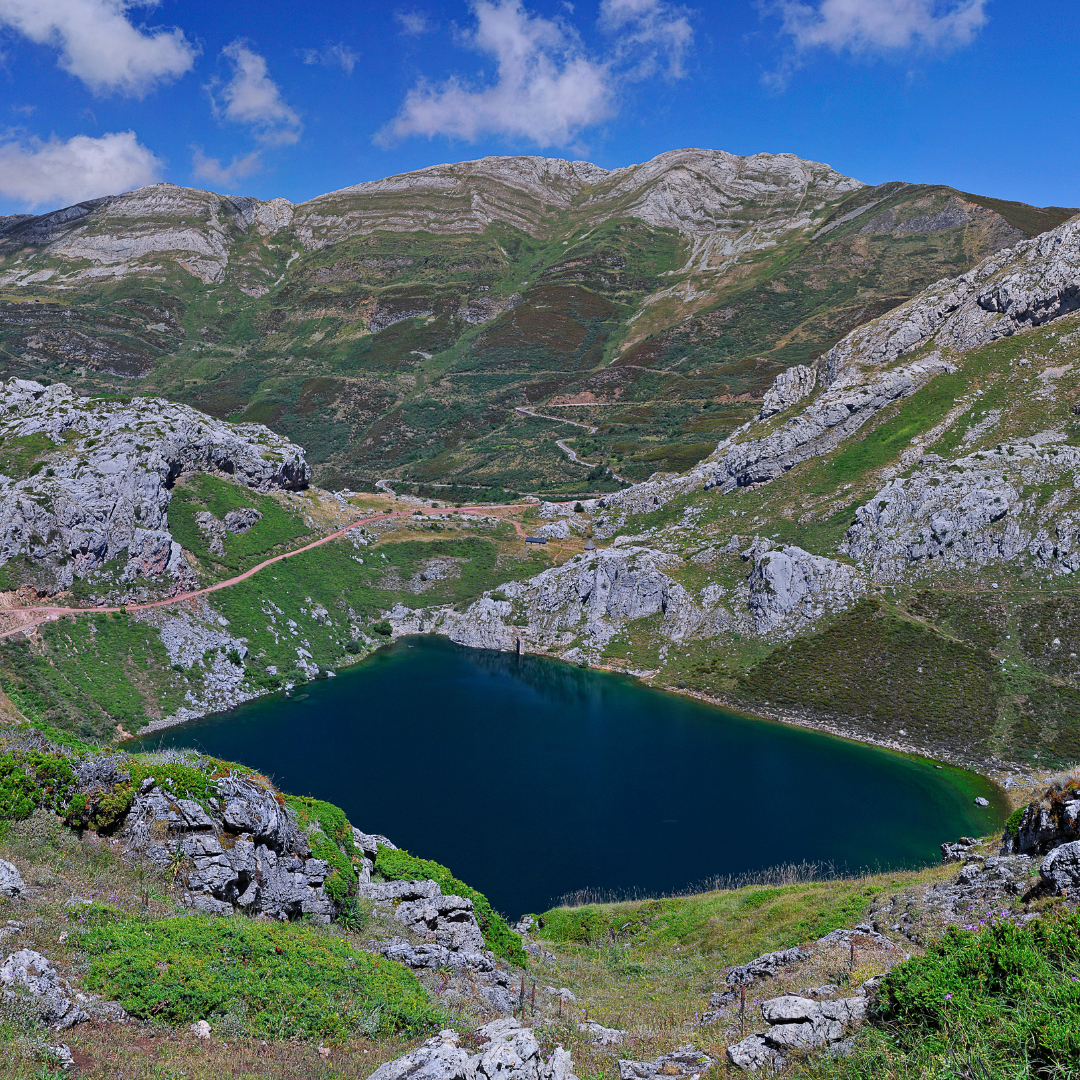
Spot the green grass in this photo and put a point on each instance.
(31, 778)
(732, 925)
(889, 672)
(398, 865)
(116, 662)
(22, 455)
(278, 980)
(276, 528)
(330, 836)
(997, 1001)
(885, 442)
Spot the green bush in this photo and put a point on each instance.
(383, 629)
(30, 778)
(1010, 993)
(1012, 822)
(398, 865)
(102, 810)
(334, 843)
(284, 980)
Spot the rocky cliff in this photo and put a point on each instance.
(84, 482)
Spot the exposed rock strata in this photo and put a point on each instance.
(245, 854)
(684, 1061)
(11, 882)
(788, 388)
(792, 589)
(970, 511)
(835, 415)
(1030, 284)
(29, 975)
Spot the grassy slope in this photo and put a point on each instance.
(257, 983)
(864, 664)
(90, 674)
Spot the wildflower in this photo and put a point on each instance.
(948, 997)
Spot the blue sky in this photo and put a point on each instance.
(286, 99)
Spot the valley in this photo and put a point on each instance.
(536, 439)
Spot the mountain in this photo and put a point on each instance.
(394, 328)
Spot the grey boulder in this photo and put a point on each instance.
(754, 1053)
(508, 1051)
(600, 1035)
(1060, 870)
(684, 1061)
(764, 966)
(11, 882)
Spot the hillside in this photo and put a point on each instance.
(874, 532)
(393, 328)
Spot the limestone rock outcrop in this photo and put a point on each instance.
(1027, 285)
(764, 966)
(100, 486)
(508, 1051)
(1060, 870)
(11, 882)
(29, 975)
(836, 414)
(790, 589)
(245, 853)
(798, 1023)
(788, 388)
(684, 1061)
(421, 906)
(121, 235)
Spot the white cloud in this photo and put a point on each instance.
(648, 32)
(863, 25)
(412, 22)
(99, 45)
(55, 173)
(338, 55)
(211, 169)
(251, 97)
(547, 88)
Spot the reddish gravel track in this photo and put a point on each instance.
(49, 613)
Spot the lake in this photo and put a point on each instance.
(531, 778)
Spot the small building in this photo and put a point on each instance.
(535, 539)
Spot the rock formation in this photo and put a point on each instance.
(508, 1051)
(101, 473)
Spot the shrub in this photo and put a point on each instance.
(398, 865)
(1012, 822)
(285, 980)
(1015, 990)
(353, 647)
(30, 778)
(383, 629)
(331, 841)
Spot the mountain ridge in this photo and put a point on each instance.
(669, 294)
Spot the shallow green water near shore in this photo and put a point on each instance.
(531, 778)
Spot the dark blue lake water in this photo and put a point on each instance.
(531, 778)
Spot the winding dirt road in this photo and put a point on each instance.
(50, 613)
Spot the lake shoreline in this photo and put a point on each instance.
(1014, 779)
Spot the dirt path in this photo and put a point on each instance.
(557, 419)
(561, 444)
(50, 613)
